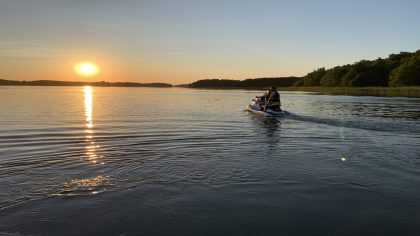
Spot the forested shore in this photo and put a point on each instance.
(397, 70)
(396, 75)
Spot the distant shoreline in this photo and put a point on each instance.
(74, 83)
(411, 91)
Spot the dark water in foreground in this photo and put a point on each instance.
(141, 161)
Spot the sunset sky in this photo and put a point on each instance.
(179, 41)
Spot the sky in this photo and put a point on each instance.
(180, 41)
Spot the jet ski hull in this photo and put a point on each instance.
(267, 113)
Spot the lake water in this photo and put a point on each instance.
(146, 161)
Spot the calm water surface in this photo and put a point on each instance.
(143, 161)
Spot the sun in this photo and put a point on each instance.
(86, 69)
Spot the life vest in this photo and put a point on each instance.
(275, 97)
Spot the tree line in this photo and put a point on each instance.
(248, 83)
(401, 69)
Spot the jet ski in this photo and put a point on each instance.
(257, 107)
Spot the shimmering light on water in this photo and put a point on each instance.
(91, 146)
(88, 94)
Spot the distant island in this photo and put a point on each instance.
(73, 83)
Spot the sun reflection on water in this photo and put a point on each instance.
(91, 146)
(84, 186)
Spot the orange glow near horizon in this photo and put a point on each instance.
(86, 69)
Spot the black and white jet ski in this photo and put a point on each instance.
(257, 107)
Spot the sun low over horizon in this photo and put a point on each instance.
(87, 69)
(184, 41)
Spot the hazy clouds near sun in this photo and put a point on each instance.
(182, 41)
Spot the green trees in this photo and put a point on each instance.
(408, 73)
(248, 83)
(401, 69)
(314, 78)
(333, 77)
(367, 73)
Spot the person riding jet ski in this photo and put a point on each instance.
(268, 105)
(272, 101)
